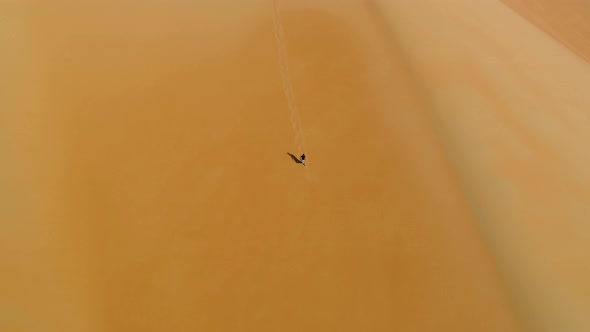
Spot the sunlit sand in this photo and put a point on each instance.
(150, 177)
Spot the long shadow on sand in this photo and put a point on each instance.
(295, 159)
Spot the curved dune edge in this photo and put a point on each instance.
(566, 23)
(148, 185)
(509, 102)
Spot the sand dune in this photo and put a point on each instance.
(147, 186)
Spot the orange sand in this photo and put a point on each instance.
(146, 184)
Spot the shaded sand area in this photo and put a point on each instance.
(566, 21)
(147, 186)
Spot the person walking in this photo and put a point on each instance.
(303, 159)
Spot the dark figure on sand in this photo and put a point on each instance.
(297, 160)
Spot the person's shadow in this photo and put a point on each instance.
(295, 159)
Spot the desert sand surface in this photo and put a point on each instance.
(146, 183)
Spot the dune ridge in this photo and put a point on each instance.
(148, 186)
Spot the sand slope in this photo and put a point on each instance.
(510, 105)
(147, 185)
